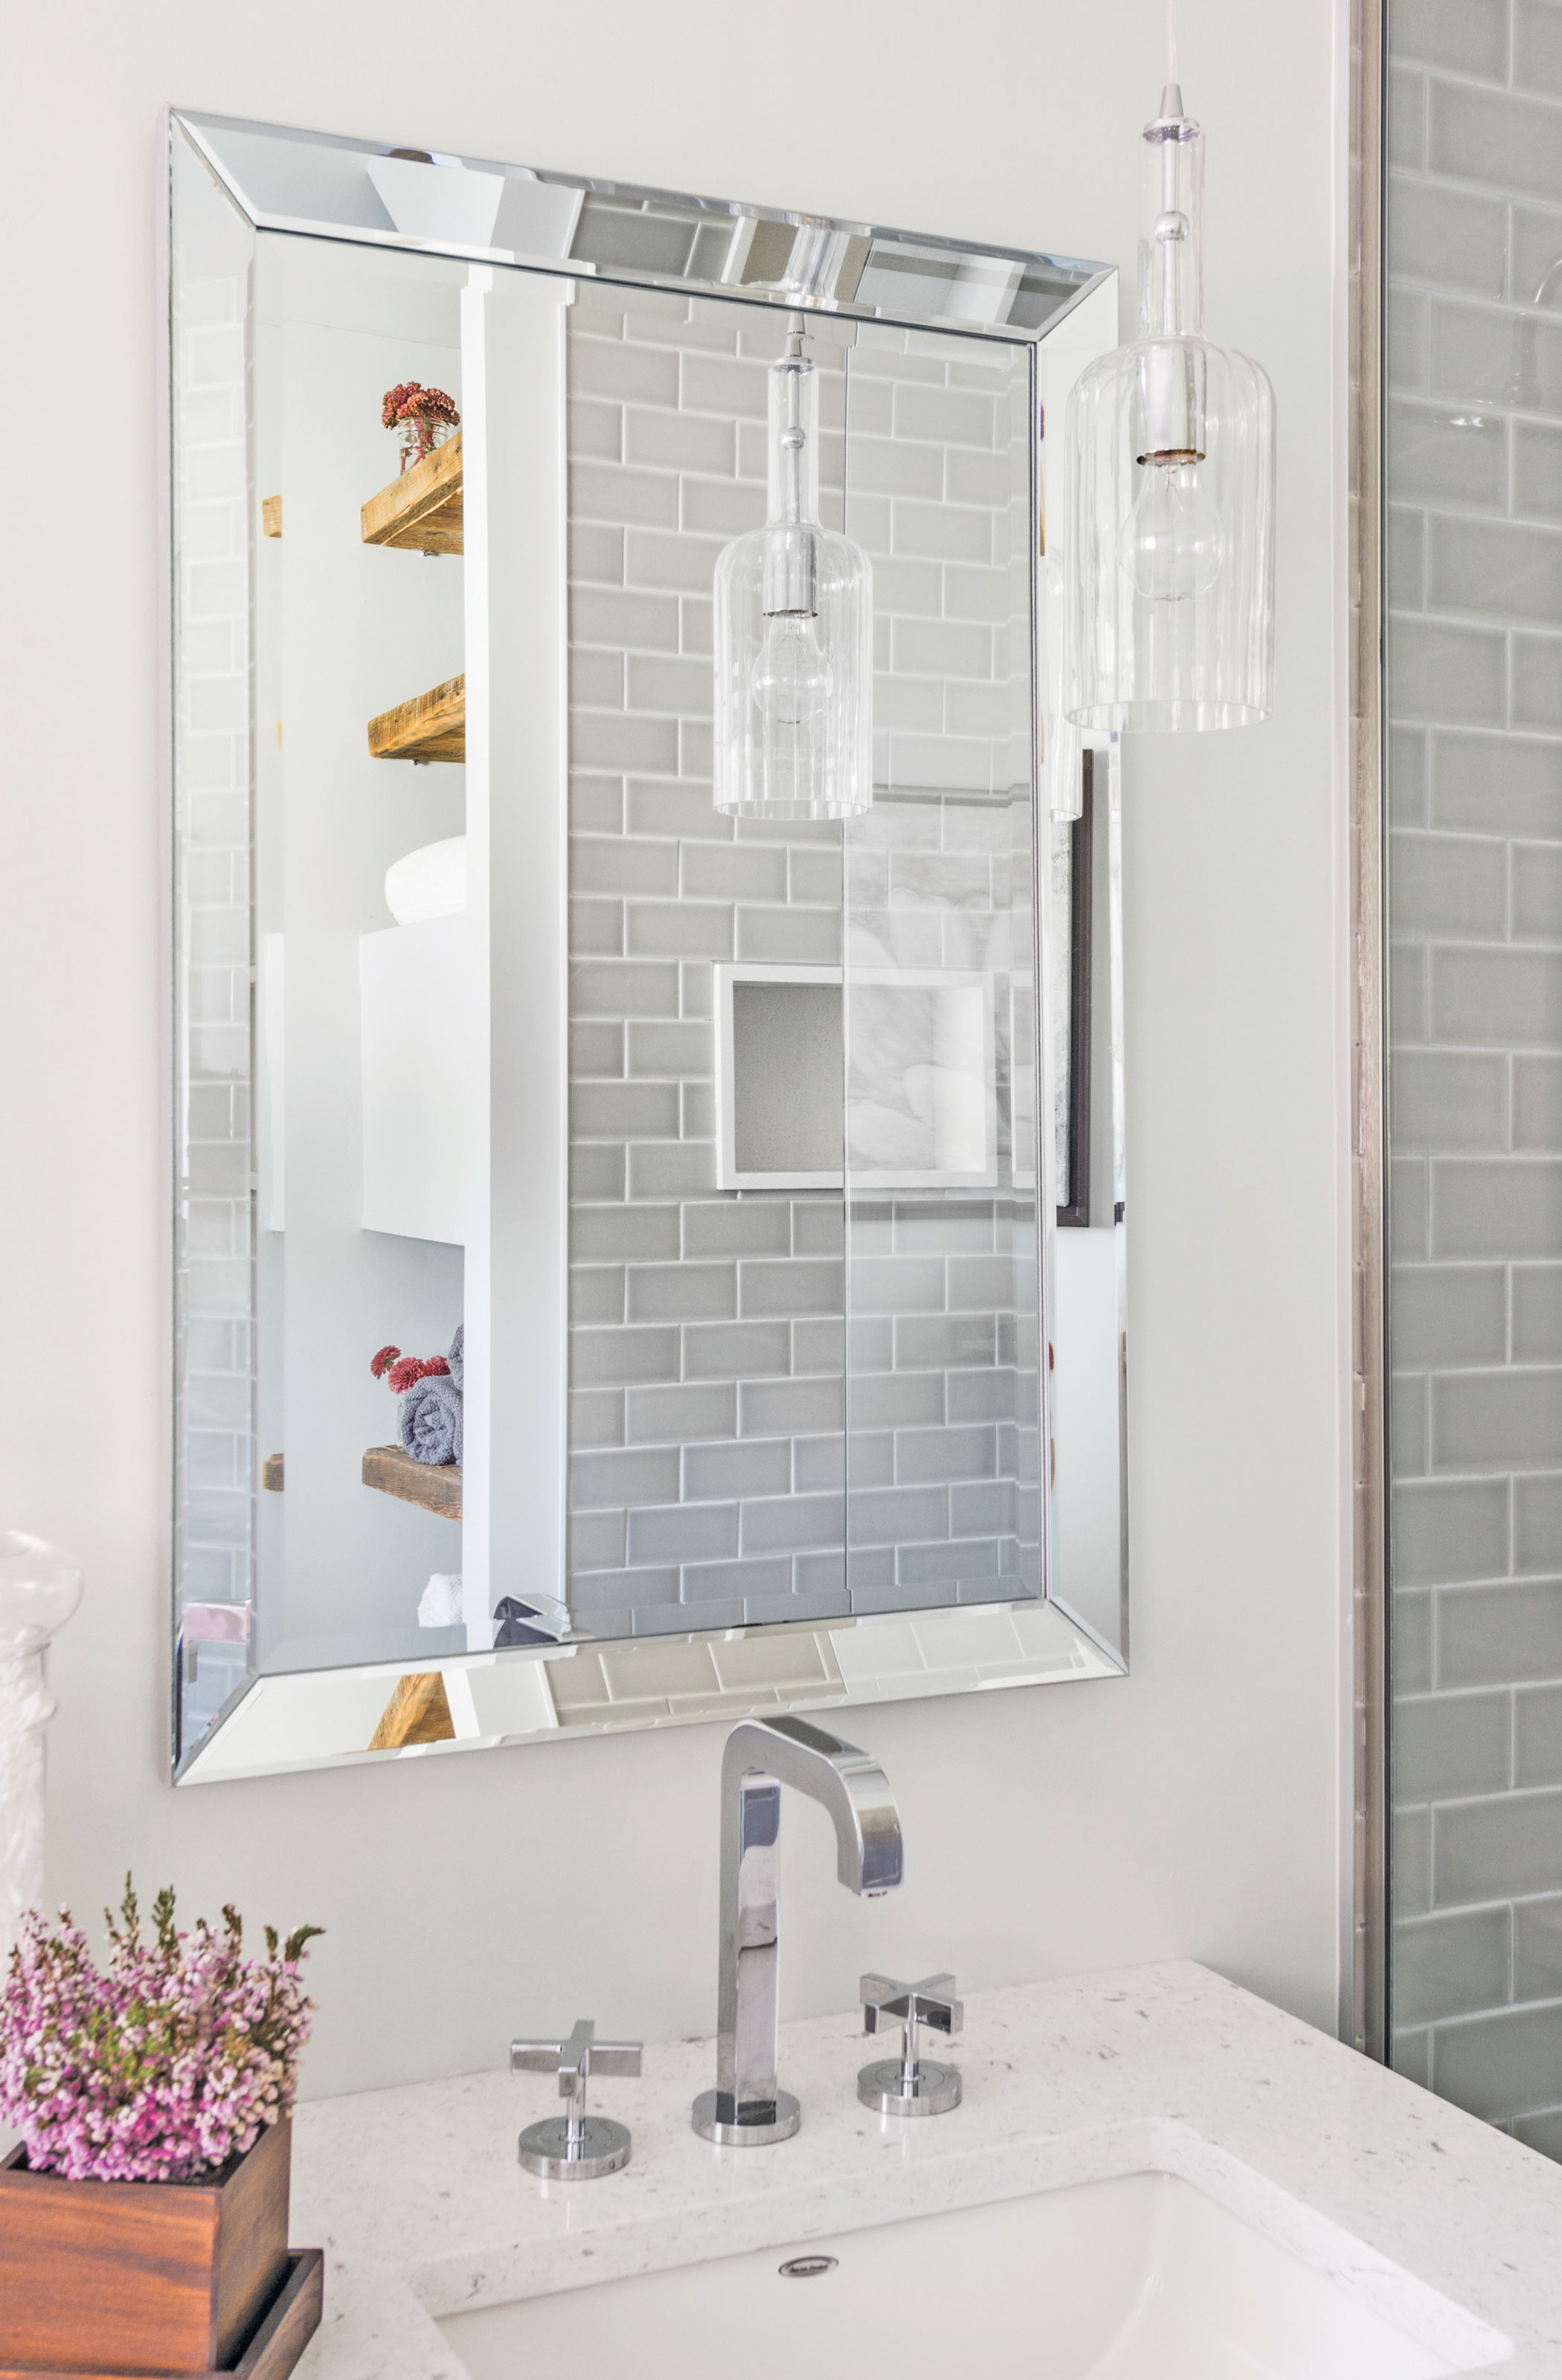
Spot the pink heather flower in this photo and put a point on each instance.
(387, 1355)
(166, 2065)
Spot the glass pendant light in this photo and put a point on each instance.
(1171, 489)
(794, 660)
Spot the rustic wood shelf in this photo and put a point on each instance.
(435, 1486)
(418, 1712)
(432, 726)
(421, 512)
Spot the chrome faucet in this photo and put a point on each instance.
(747, 2107)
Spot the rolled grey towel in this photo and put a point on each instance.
(430, 1420)
(456, 1357)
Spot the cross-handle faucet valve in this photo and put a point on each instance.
(909, 2085)
(575, 2146)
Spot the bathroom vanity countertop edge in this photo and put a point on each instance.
(417, 2195)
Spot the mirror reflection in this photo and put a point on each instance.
(609, 1217)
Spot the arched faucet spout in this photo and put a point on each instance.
(747, 2106)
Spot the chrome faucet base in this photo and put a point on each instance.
(931, 2091)
(560, 2150)
(708, 2124)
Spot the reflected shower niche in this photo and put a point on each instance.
(681, 1168)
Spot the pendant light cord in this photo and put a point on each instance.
(1171, 42)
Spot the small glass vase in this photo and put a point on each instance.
(419, 436)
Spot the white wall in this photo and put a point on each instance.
(1192, 1809)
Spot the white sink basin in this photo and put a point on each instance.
(1142, 2277)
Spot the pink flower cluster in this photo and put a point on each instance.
(399, 1371)
(164, 2066)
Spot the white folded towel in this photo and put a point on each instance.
(428, 883)
(440, 1606)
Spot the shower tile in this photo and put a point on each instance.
(795, 1286)
(1538, 1739)
(1449, 237)
(1497, 566)
(1539, 46)
(1450, 1966)
(794, 1406)
(598, 1235)
(925, 1455)
(889, 1517)
(1498, 2066)
(1537, 1953)
(683, 1050)
(1446, 1530)
(1436, 673)
(713, 1583)
(741, 1351)
(1485, 136)
(677, 928)
(1412, 1861)
(1537, 245)
(1449, 1314)
(792, 1523)
(618, 864)
(667, 440)
(619, 1358)
(646, 1476)
(596, 1294)
(682, 1292)
(1490, 1635)
(1410, 1647)
(1495, 1206)
(1537, 681)
(1537, 470)
(1537, 1520)
(676, 1414)
(1406, 119)
(1497, 784)
(1449, 1745)
(1446, 1099)
(739, 1467)
(819, 1463)
(1495, 358)
(683, 1533)
(747, 1226)
(733, 872)
(1507, 1420)
(616, 1110)
(1470, 36)
(1537, 1316)
(1492, 1849)
(1509, 996)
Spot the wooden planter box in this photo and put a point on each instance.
(150, 2278)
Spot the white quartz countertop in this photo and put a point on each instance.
(418, 2198)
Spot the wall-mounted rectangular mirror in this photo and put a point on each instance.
(752, 1342)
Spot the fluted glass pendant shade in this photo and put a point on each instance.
(1171, 489)
(794, 636)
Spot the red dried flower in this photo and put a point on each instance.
(400, 1377)
(433, 1367)
(386, 1356)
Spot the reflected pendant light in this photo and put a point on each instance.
(793, 638)
(1170, 449)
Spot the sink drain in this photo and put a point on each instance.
(808, 2268)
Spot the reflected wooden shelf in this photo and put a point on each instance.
(435, 1486)
(418, 1712)
(271, 1473)
(432, 726)
(421, 512)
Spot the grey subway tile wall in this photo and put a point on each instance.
(215, 1444)
(708, 1364)
(1473, 474)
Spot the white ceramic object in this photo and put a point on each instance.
(1143, 2277)
(39, 1590)
(429, 882)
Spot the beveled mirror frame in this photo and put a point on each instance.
(303, 183)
